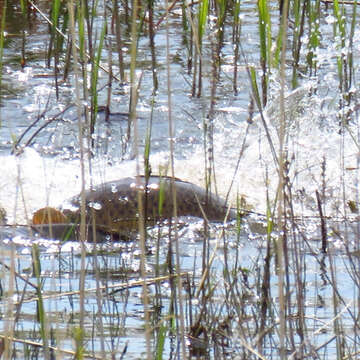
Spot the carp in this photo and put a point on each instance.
(113, 207)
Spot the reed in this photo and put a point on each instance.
(282, 248)
(2, 39)
(236, 42)
(221, 7)
(265, 46)
(201, 26)
(56, 41)
(135, 30)
(298, 11)
(177, 303)
(160, 342)
(351, 43)
(314, 37)
(79, 336)
(150, 10)
(94, 82)
(345, 69)
(133, 80)
(119, 40)
(187, 34)
(202, 19)
(41, 313)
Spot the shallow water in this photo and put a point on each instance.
(48, 172)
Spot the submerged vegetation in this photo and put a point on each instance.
(282, 282)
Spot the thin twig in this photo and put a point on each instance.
(121, 286)
(53, 348)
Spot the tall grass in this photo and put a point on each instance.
(79, 336)
(94, 81)
(298, 12)
(314, 40)
(265, 46)
(198, 39)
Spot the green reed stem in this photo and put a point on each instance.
(80, 17)
(282, 238)
(202, 18)
(110, 81)
(136, 7)
(351, 43)
(2, 41)
(78, 336)
(256, 95)
(147, 150)
(94, 82)
(84, 55)
(79, 108)
(342, 57)
(339, 25)
(23, 6)
(41, 313)
(133, 63)
(299, 10)
(265, 306)
(54, 41)
(152, 44)
(56, 46)
(160, 341)
(119, 40)
(55, 12)
(221, 7)
(187, 36)
(314, 38)
(180, 312)
(265, 45)
(236, 42)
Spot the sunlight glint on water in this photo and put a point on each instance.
(48, 173)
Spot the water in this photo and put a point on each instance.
(48, 172)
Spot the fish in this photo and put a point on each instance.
(113, 207)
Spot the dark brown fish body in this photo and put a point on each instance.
(113, 208)
(114, 205)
